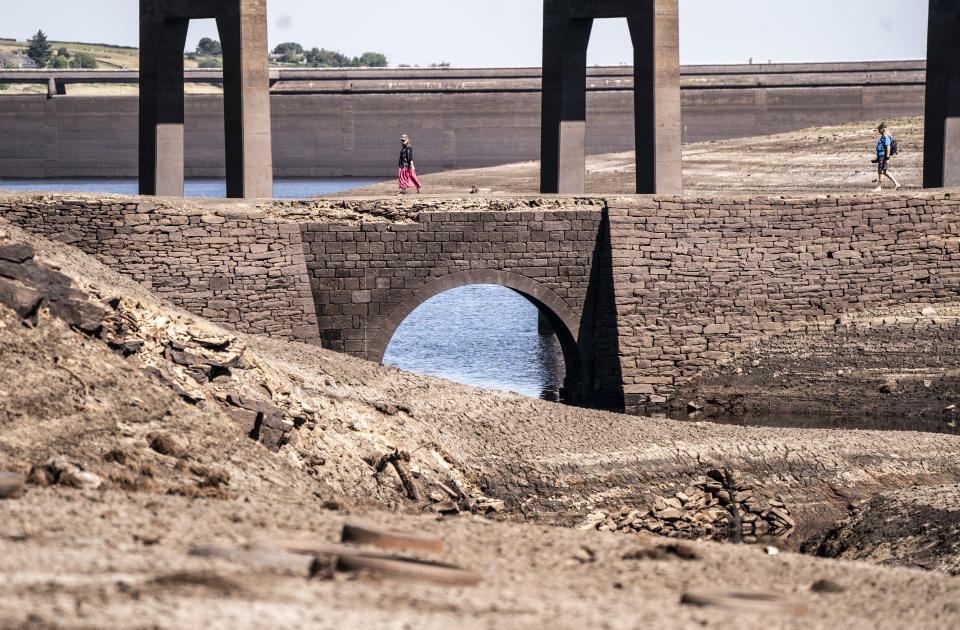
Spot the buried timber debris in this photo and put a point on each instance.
(324, 559)
(11, 485)
(401, 463)
(754, 601)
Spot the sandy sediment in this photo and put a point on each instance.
(145, 431)
(832, 159)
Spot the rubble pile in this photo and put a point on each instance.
(216, 371)
(186, 357)
(723, 506)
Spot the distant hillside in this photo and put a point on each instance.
(108, 56)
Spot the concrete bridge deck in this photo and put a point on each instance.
(645, 292)
(375, 80)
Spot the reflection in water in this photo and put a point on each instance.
(482, 335)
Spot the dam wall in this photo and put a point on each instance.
(348, 122)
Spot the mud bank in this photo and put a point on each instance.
(913, 527)
(889, 368)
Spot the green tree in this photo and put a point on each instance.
(83, 60)
(209, 47)
(63, 52)
(288, 48)
(372, 60)
(39, 49)
(209, 63)
(60, 63)
(324, 58)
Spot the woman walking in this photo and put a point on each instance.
(408, 172)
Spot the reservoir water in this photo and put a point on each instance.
(214, 188)
(481, 335)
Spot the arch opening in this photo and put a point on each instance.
(504, 332)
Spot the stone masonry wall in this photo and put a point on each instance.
(230, 265)
(697, 279)
(368, 276)
(650, 290)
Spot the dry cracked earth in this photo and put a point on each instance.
(162, 472)
(821, 160)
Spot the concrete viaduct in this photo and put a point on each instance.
(654, 30)
(644, 292)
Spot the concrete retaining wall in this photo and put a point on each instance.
(347, 123)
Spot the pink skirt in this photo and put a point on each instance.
(408, 178)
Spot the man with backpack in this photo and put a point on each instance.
(886, 148)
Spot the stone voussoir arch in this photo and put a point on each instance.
(537, 293)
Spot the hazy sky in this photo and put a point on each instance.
(506, 33)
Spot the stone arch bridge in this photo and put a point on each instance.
(645, 292)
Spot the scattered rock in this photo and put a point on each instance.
(16, 252)
(723, 506)
(446, 506)
(671, 514)
(385, 408)
(25, 302)
(585, 555)
(213, 478)
(131, 483)
(485, 505)
(116, 455)
(61, 471)
(827, 586)
(11, 485)
(662, 552)
(214, 342)
(166, 444)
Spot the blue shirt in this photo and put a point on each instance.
(882, 145)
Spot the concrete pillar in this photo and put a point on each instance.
(656, 74)
(246, 82)
(161, 104)
(246, 101)
(941, 151)
(564, 99)
(654, 29)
